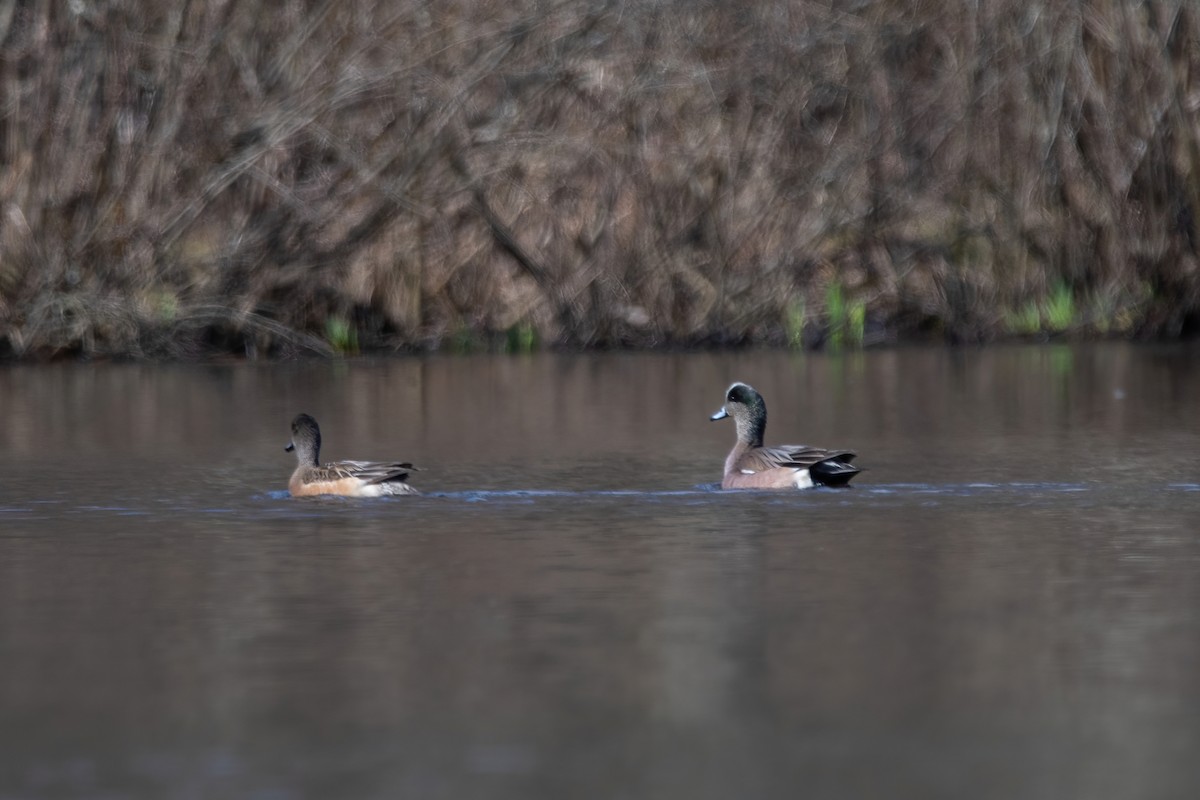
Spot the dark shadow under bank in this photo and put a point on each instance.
(236, 346)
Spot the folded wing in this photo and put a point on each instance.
(827, 467)
(371, 471)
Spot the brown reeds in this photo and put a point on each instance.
(184, 176)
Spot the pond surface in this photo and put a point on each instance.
(1006, 605)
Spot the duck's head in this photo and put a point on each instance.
(306, 439)
(749, 412)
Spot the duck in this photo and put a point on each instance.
(750, 465)
(346, 478)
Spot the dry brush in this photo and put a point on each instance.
(186, 176)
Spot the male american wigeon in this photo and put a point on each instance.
(350, 478)
(752, 466)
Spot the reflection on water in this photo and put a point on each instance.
(1005, 606)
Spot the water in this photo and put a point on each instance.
(1006, 605)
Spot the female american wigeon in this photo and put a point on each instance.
(752, 466)
(349, 478)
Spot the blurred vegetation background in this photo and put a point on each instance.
(179, 177)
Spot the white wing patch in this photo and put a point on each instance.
(803, 479)
(748, 472)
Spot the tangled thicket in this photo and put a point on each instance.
(183, 176)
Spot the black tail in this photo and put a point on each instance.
(834, 471)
